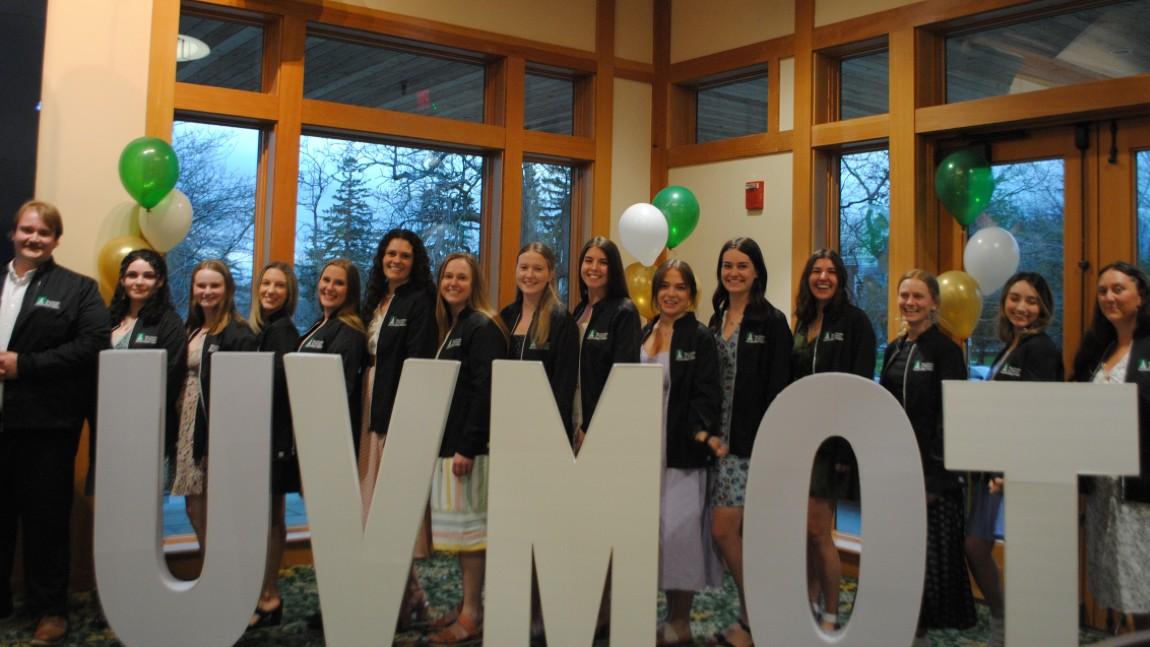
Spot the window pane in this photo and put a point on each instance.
(392, 79)
(1028, 202)
(1088, 45)
(864, 85)
(234, 59)
(218, 174)
(731, 109)
(546, 214)
(1142, 196)
(864, 233)
(351, 193)
(549, 104)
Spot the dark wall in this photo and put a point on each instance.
(21, 63)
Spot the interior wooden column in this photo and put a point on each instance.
(604, 116)
(661, 96)
(904, 159)
(162, 68)
(802, 198)
(287, 86)
(511, 183)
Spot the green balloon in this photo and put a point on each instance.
(964, 184)
(681, 210)
(148, 170)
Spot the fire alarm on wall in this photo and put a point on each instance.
(754, 195)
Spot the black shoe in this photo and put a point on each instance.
(268, 617)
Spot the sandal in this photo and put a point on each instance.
(445, 620)
(720, 639)
(667, 636)
(464, 632)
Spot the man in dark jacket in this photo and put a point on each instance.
(53, 325)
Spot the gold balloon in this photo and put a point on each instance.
(960, 303)
(112, 254)
(639, 287)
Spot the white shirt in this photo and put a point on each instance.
(11, 299)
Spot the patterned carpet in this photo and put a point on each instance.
(713, 611)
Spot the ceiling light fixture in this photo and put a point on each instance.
(190, 48)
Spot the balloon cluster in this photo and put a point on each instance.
(964, 183)
(161, 214)
(646, 229)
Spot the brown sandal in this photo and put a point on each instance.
(464, 632)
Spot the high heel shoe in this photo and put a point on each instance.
(267, 617)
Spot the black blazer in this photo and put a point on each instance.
(407, 332)
(236, 336)
(1036, 359)
(1087, 363)
(932, 358)
(846, 344)
(166, 334)
(476, 341)
(337, 338)
(279, 336)
(763, 370)
(560, 355)
(58, 335)
(695, 400)
(612, 336)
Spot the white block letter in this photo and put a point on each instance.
(894, 513)
(1042, 436)
(361, 571)
(143, 603)
(577, 516)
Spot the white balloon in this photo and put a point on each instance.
(991, 257)
(643, 232)
(166, 224)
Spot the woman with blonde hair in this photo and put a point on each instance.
(339, 330)
(277, 294)
(213, 325)
(471, 333)
(914, 367)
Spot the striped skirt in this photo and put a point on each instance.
(459, 507)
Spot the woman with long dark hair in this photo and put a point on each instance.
(692, 399)
(213, 325)
(400, 308)
(469, 331)
(1025, 309)
(608, 327)
(914, 367)
(753, 345)
(277, 294)
(1116, 350)
(831, 335)
(142, 317)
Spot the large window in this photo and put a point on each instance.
(549, 104)
(864, 85)
(731, 107)
(1092, 44)
(220, 53)
(352, 192)
(864, 232)
(218, 174)
(1142, 201)
(393, 78)
(547, 214)
(1028, 202)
